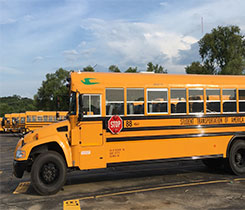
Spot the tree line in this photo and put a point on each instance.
(222, 52)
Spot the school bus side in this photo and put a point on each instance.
(164, 117)
(38, 119)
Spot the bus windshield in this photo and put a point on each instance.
(72, 106)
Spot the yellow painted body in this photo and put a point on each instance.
(88, 144)
(1, 128)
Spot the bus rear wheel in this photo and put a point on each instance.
(48, 173)
(236, 160)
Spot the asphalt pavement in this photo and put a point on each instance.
(173, 185)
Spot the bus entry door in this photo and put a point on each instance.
(92, 148)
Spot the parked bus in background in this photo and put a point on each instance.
(14, 121)
(115, 119)
(6, 123)
(38, 119)
(1, 127)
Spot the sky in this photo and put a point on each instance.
(40, 36)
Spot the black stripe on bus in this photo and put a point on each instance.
(182, 127)
(175, 136)
(127, 163)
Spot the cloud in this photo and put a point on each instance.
(37, 59)
(9, 70)
(136, 42)
(164, 4)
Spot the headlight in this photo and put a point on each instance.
(20, 154)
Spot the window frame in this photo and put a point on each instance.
(89, 104)
(192, 101)
(185, 89)
(128, 102)
(240, 100)
(220, 100)
(115, 102)
(159, 90)
(223, 101)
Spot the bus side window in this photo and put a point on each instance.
(114, 101)
(178, 100)
(213, 100)
(229, 100)
(241, 100)
(33, 118)
(91, 105)
(50, 118)
(196, 100)
(22, 120)
(157, 101)
(28, 118)
(45, 118)
(39, 118)
(135, 101)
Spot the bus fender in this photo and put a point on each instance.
(233, 139)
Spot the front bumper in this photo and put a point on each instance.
(19, 167)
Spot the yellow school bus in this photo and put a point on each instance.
(1, 127)
(6, 123)
(127, 118)
(14, 122)
(38, 119)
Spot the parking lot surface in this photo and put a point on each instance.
(173, 185)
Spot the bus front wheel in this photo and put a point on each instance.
(48, 173)
(236, 160)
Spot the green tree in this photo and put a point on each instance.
(131, 70)
(53, 94)
(222, 52)
(156, 68)
(15, 104)
(198, 68)
(114, 68)
(88, 68)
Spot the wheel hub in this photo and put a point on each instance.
(240, 158)
(49, 173)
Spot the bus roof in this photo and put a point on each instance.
(97, 81)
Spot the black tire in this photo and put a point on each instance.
(236, 160)
(213, 163)
(48, 173)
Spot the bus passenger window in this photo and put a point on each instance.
(91, 105)
(196, 101)
(241, 100)
(157, 101)
(45, 118)
(33, 118)
(28, 118)
(213, 100)
(22, 120)
(50, 118)
(135, 101)
(229, 100)
(39, 118)
(114, 101)
(178, 100)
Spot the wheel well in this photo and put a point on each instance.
(52, 146)
(232, 141)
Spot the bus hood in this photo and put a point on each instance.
(59, 128)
